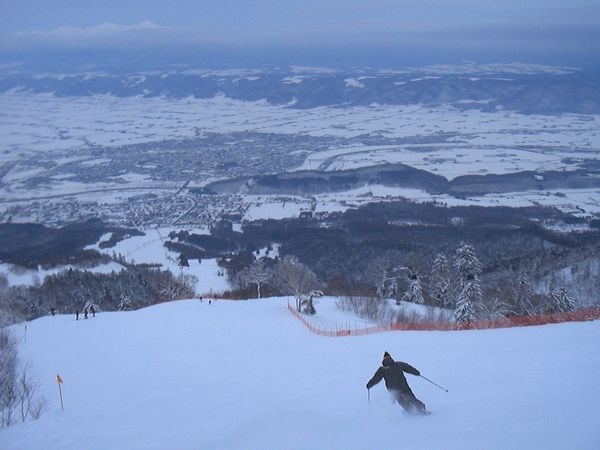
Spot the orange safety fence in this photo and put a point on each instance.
(341, 331)
(580, 315)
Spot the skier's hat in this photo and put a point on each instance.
(386, 355)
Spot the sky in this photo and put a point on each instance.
(350, 30)
(190, 375)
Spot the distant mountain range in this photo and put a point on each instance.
(522, 88)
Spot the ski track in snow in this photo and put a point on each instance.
(247, 374)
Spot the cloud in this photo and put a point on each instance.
(315, 30)
(105, 35)
(97, 31)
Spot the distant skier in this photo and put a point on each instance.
(395, 382)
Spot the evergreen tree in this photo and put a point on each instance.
(439, 282)
(126, 304)
(468, 269)
(183, 261)
(465, 310)
(307, 304)
(414, 293)
(467, 264)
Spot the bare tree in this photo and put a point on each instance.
(523, 295)
(295, 278)
(179, 287)
(374, 308)
(8, 376)
(561, 300)
(496, 302)
(31, 405)
(382, 274)
(257, 273)
(18, 390)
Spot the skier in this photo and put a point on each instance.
(395, 382)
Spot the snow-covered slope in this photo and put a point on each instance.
(248, 375)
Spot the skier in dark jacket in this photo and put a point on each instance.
(395, 382)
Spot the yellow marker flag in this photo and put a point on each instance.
(60, 381)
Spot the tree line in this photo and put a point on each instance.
(67, 292)
(452, 283)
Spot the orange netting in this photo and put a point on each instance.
(579, 315)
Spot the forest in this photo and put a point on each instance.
(521, 260)
(525, 257)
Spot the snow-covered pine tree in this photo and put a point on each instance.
(562, 301)
(465, 309)
(440, 281)
(414, 293)
(126, 304)
(468, 269)
(183, 261)
(307, 304)
(467, 264)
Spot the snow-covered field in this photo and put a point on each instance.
(440, 139)
(149, 249)
(248, 375)
(45, 123)
(454, 159)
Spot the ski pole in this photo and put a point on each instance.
(443, 388)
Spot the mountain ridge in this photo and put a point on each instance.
(526, 91)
